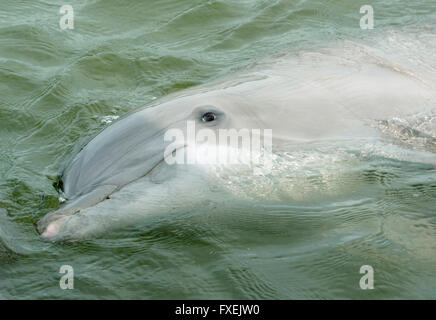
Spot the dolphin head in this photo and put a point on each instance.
(131, 148)
(134, 145)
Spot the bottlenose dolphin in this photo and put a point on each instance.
(351, 95)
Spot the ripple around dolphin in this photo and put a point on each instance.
(229, 247)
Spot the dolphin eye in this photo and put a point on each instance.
(208, 117)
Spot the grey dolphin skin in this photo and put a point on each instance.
(335, 94)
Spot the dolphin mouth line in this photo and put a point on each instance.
(43, 225)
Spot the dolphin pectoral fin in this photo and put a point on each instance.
(48, 226)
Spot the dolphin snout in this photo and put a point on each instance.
(51, 231)
(49, 226)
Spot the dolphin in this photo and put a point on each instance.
(349, 95)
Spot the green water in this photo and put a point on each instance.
(57, 87)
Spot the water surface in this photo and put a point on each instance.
(58, 87)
